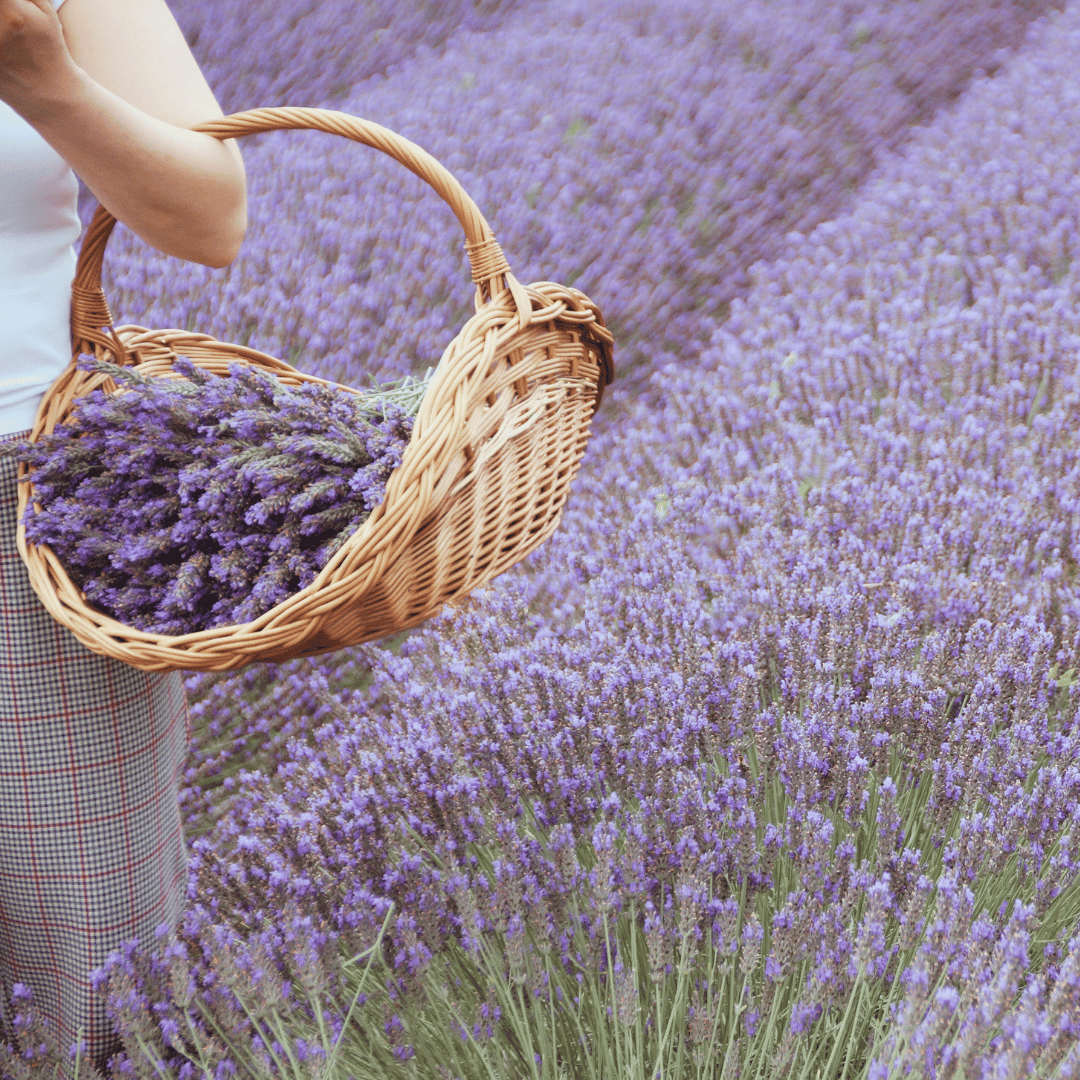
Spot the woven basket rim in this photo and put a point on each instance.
(507, 322)
(545, 309)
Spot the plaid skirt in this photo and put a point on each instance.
(91, 847)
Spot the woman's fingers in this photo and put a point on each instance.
(18, 17)
(34, 60)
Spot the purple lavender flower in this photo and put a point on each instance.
(178, 505)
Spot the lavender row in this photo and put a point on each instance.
(893, 411)
(804, 633)
(313, 51)
(685, 148)
(900, 387)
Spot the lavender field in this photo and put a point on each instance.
(767, 764)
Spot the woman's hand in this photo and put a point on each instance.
(112, 87)
(35, 63)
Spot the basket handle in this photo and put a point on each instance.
(490, 270)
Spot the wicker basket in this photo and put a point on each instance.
(498, 439)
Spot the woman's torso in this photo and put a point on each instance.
(39, 223)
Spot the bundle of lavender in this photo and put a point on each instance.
(184, 504)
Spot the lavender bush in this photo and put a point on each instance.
(681, 784)
(765, 764)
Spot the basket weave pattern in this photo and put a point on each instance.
(499, 436)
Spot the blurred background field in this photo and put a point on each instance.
(765, 764)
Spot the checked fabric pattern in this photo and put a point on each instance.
(91, 847)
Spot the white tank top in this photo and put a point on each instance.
(39, 223)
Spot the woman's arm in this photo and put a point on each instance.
(112, 86)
